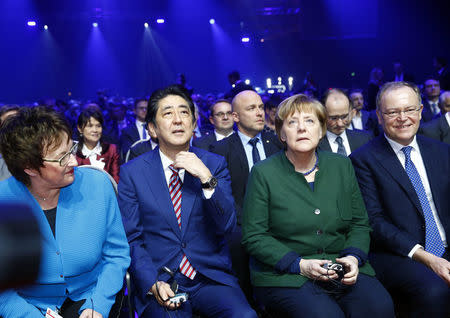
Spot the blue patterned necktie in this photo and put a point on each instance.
(433, 241)
(144, 132)
(341, 148)
(255, 153)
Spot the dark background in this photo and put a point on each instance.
(329, 38)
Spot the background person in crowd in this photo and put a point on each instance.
(222, 121)
(339, 138)
(177, 209)
(400, 75)
(237, 86)
(430, 99)
(404, 182)
(5, 112)
(138, 131)
(361, 118)
(375, 82)
(302, 210)
(442, 72)
(91, 149)
(439, 128)
(270, 109)
(84, 249)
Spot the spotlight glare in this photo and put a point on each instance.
(95, 24)
(146, 24)
(245, 39)
(268, 82)
(46, 27)
(31, 23)
(212, 21)
(262, 40)
(247, 81)
(160, 21)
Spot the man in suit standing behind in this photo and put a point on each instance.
(439, 128)
(177, 209)
(338, 138)
(220, 117)
(241, 151)
(249, 145)
(138, 131)
(404, 181)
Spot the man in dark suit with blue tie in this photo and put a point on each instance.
(138, 131)
(177, 210)
(404, 181)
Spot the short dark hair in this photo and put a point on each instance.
(86, 114)
(137, 101)
(25, 138)
(430, 77)
(234, 75)
(223, 100)
(153, 102)
(390, 86)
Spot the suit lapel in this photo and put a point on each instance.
(269, 147)
(238, 156)
(444, 129)
(156, 181)
(324, 144)
(383, 152)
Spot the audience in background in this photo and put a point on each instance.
(430, 99)
(375, 82)
(442, 72)
(400, 75)
(237, 86)
(361, 118)
(5, 112)
(138, 131)
(439, 128)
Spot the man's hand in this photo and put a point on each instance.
(437, 264)
(162, 293)
(313, 269)
(192, 164)
(350, 264)
(89, 313)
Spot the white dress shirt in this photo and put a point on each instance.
(139, 125)
(416, 158)
(166, 162)
(249, 148)
(91, 154)
(333, 143)
(220, 136)
(357, 121)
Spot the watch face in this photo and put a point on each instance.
(212, 182)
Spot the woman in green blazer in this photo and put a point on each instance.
(303, 210)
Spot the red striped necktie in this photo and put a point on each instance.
(175, 195)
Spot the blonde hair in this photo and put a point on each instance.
(302, 104)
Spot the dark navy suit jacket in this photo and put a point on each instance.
(204, 141)
(151, 225)
(129, 136)
(356, 138)
(233, 151)
(395, 213)
(437, 129)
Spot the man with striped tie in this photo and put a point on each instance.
(177, 210)
(404, 180)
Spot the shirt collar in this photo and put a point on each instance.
(398, 147)
(245, 139)
(166, 162)
(97, 150)
(332, 136)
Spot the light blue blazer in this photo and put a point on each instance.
(89, 257)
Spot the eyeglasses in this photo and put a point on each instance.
(222, 115)
(341, 117)
(410, 111)
(64, 160)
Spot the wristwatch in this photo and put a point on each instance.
(210, 184)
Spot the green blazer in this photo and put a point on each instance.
(283, 218)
